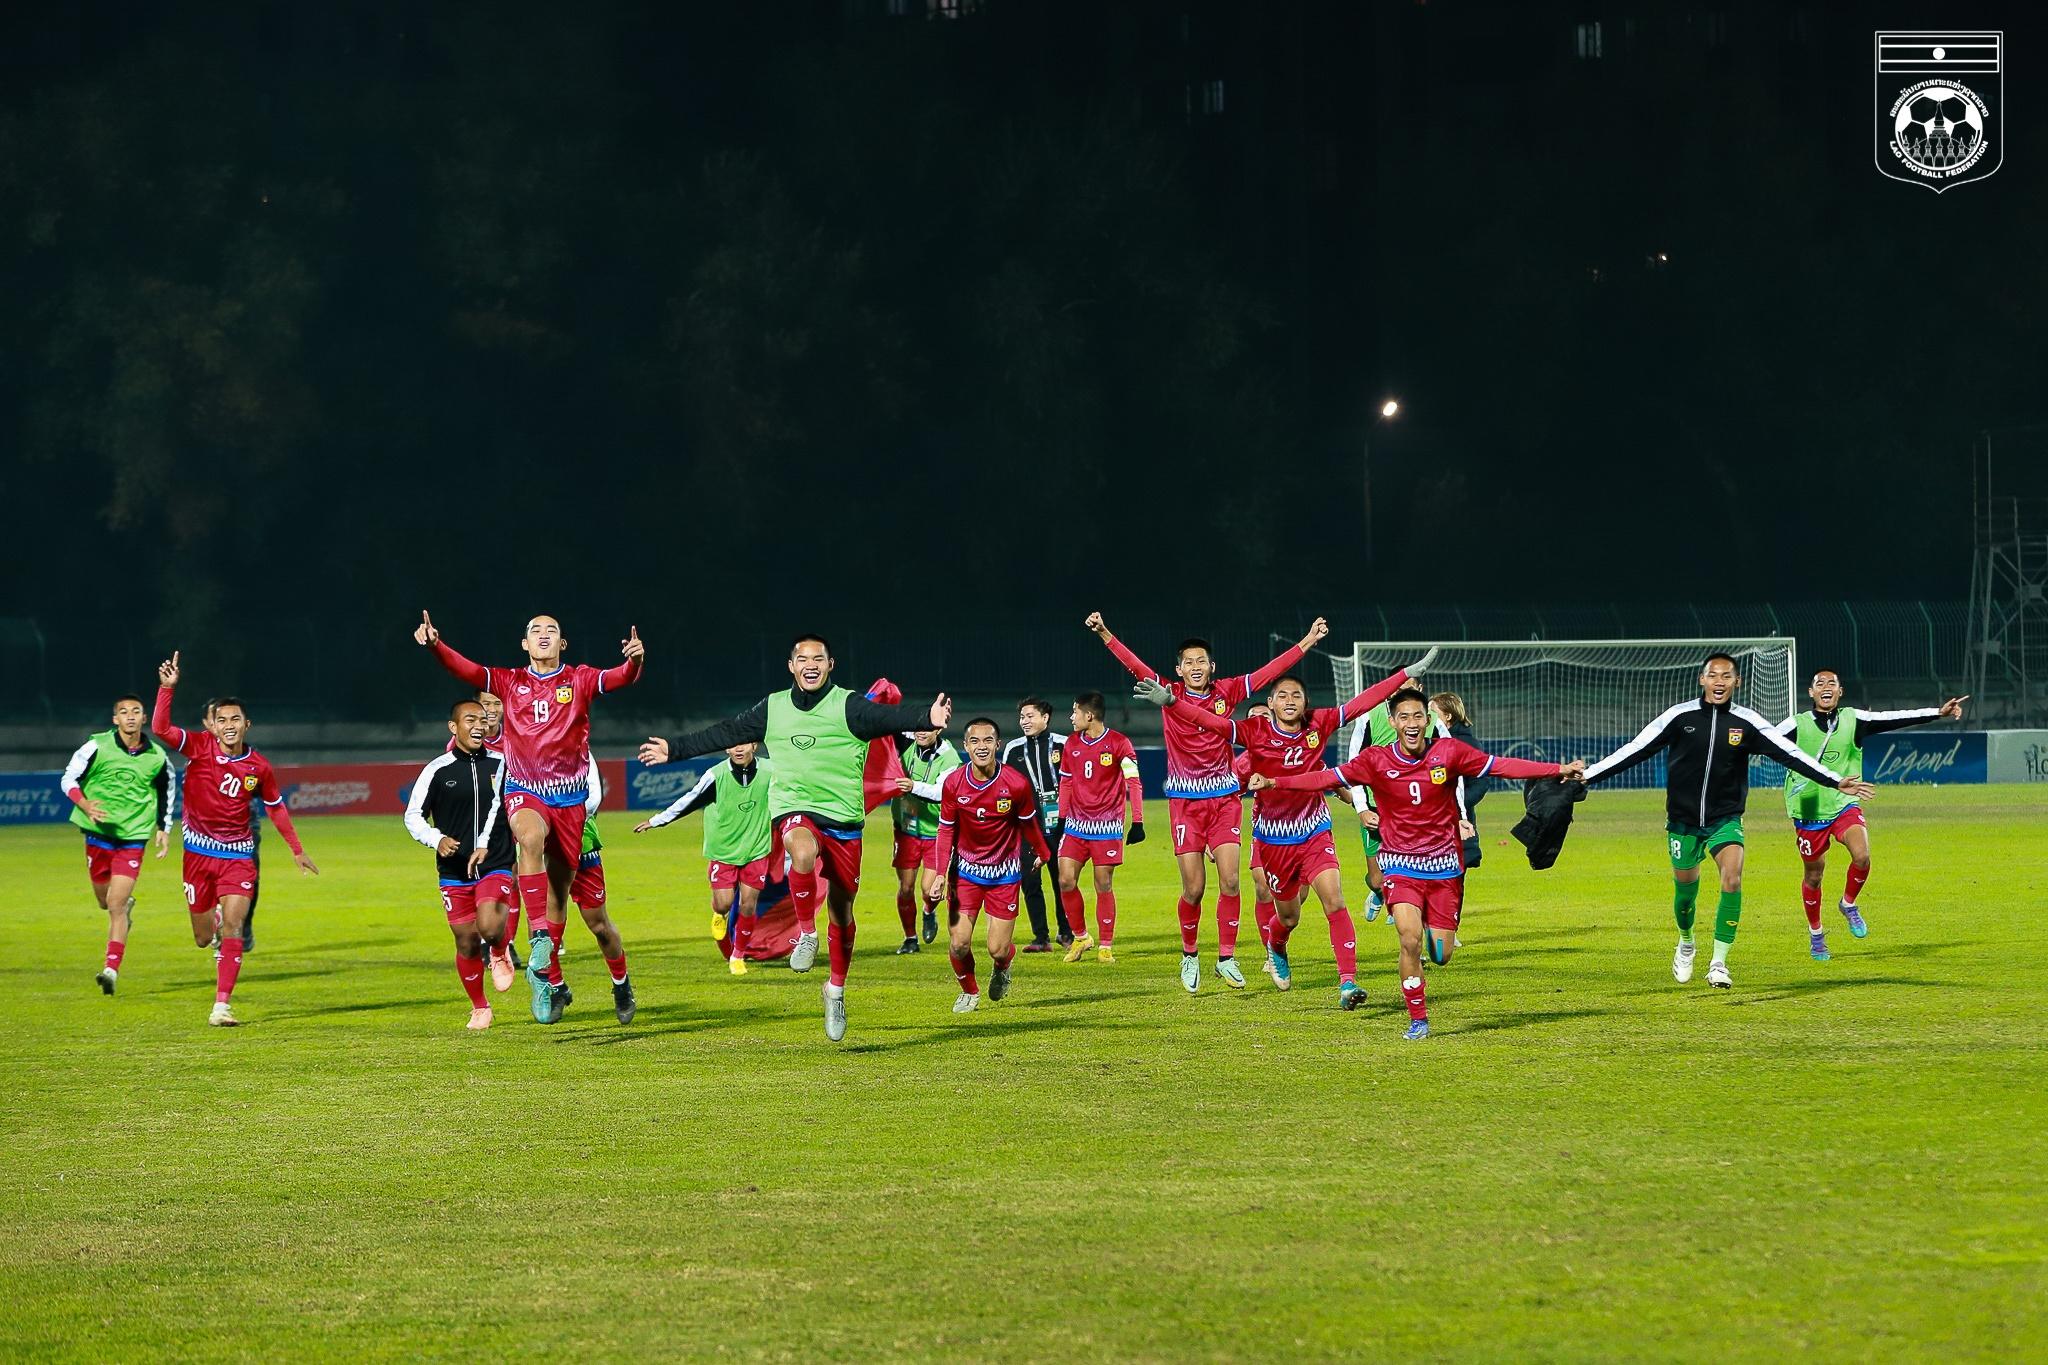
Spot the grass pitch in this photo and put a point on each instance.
(1587, 1160)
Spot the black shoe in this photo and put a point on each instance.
(931, 926)
(1037, 945)
(909, 945)
(1066, 940)
(623, 1001)
(568, 996)
(558, 1000)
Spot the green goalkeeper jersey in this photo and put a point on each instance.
(134, 789)
(916, 816)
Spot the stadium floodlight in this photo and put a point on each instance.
(1390, 407)
(1557, 700)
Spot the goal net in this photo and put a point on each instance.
(1556, 700)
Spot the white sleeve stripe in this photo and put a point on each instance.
(74, 771)
(1788, 755)
(1915, 713)
(674, 810)
(1489, 766)
(416, 805)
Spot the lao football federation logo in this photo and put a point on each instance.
(1439, 774)
(1937, 107)
(564, 695)
(249, 782)
(1003, 805)
(1314, 740)
(1734, 735)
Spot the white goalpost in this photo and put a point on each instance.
(1561, 699)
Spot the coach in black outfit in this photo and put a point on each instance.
(1036, 754)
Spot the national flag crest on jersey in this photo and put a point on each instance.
(1439, 774)
(1314, 740)
(1003, 805)
(563, 695)
(1734, 735)
(248, 782)
(1222, 707)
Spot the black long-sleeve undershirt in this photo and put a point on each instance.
(867, 720)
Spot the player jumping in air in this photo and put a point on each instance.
(1707, 743)
(1832, 735)
(1414, 783)
(224, 772)
(1291, 828)
(546, 733)
(739, 840)
(121, 792)
(988, 816)
(453, 810)
(926, 761)
(1098, 778)
(1203, 801)
(818, 735)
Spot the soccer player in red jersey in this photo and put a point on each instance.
(1203, 796)
(1291, 830)
(1414, 781)
(220, 835)
(546, 733)
(988, 815)
(1098, 778)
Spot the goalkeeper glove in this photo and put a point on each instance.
(1153, 693)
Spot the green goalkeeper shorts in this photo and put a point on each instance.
(1371, 839)
(1689, 844)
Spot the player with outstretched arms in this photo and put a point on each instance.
(122, 792)
(1291, 834)
(1832, 735)
(818, 736)
(453, 810)
(546, 733)
(1422, 854)
(223, 773)
(1707, 743)
(1098, 779)
(1203, 798)
(988, 817)
(739, 840)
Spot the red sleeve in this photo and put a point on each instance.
(1137, 666)
(1374, 695)
(1324, 779)
(1467, 761)
(160, 723)
(476, 675)
(1202, 716)
(1027, 815)
(1134, 788)
(1265, 676)
(276, 810)
(620, 675)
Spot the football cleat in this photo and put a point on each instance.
(1105, 954)
(479, 1019)
(931, 925)
(718, 925)
(1350, 995)
(909, 945)
(999, 983)
(736, 964)
(222, 1016)
(1820, 946)
(106, 978)
(1717, 975)
(1283, 974)
(1228, 970)
(1037, 945)
(623, 1003)
(1855, 917)
(966, 1003)
(835, 1012)
(1190, 972)
(805, 954)
(501, 971)
(540, 950)
(1681, 963)
(1078, 947)
(1417, 1028)
(1372, 907)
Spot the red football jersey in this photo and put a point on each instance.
(217, 791)
(1198, 759)
(546, 729)
(988, 822)
(1093, 778)
(1280, 816)
(1418, 800)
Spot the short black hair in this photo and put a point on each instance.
(457, 705)
(807, 638)
(1407, 694)
(1038, 704)
(1294, 678)
(218, 702)
(982, 720)
(482, 692)
(1828, 668)
(130, 696)
(1193, 642)
(1093, 703)
(1733, 662)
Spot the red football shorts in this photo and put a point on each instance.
(565, 823)
(1288, 868)
(725, 876)
(1108, 852)
(208, 880)
(838, 859)
(1441, 899)
(1813, 843)
(910, 850)
(587, 888)
(104, 861)
(461, 901)
(999, 901)
(1203, 823)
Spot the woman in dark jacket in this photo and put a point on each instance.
(1450, 711)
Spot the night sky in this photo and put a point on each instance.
(728, 319)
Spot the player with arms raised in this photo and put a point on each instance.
(1202, 794)
(121, 792)
(987, 814)
(1832, 735)
(220, 835)
(546, 738)
(1422, 853)
(1291, 839)
(818, 736)
(1098, 778)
